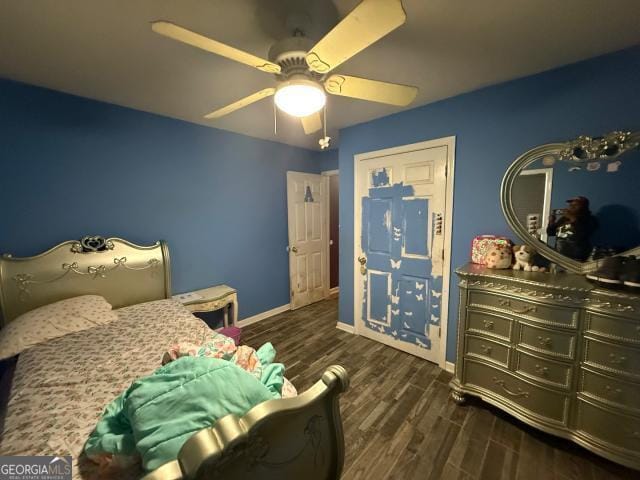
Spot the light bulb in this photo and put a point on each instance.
(300, 97)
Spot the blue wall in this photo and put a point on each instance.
(72, 166)
(492, 127)
(328, 159)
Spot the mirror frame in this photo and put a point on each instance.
(559, 151)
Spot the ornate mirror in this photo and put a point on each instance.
(579, 201)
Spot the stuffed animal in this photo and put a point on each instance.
(499, 256)
(523, 255)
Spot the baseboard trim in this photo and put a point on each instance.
(345, 328)
(450, 367)
(261, 316)
(334, 291)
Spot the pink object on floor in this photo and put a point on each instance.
(232, 332)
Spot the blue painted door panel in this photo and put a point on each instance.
(401, 295)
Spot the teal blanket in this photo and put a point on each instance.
(158, 413)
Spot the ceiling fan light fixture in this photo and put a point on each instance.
(300, 97)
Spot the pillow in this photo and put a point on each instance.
(53, 321)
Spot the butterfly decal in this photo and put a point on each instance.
(434, 318)
(436, 294)
(395, 299)
(395, 312)
(406, 325)
(394, 333)
(409, 314)
(419, 297)
(395, 264)
(421, 344)
(419, 285)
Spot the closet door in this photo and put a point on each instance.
(400, 248)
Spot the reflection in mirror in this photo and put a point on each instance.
(584, 209)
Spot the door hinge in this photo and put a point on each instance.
(446, 169)
(439, 332)
(443, 254)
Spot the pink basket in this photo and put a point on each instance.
(234, 333)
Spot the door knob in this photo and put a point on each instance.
(363, 262)
(294, 249)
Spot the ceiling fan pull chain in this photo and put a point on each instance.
(324, 122)
(275, 119)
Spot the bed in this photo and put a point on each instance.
(59, 388)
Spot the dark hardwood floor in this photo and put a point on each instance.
(398, 419)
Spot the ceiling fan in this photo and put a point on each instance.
(302, 68)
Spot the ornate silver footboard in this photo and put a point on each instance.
(297, 438)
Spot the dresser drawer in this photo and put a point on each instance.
(615, 358)
(489, 324)
(546, 404)
(610, 390)
(561, 316)
(614, 327)
(623, 431)
(486, 349)
(548, 371)
(544, 340)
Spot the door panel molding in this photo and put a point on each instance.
(415, 170)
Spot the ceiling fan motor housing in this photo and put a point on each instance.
(290, 54)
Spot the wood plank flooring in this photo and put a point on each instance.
(399, 422)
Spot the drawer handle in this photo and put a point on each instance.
(488, 324)
(544, 371)
(544, 342)
(519, 393)
(617, 360)
(612, 391)
(507, 303)
(486, 349)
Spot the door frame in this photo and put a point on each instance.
(548, 190)
(450, 143)
(327, 174)
(324, 233)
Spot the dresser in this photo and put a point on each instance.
(554, 351)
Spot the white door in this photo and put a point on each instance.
(307, 208)
(402, 246)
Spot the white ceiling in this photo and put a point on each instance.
(105, 50)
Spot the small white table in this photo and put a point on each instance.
(212, 299)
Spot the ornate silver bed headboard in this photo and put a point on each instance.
(120, 271)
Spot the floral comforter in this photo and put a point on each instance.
(61, 387)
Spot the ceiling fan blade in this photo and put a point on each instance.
(312, 123)
(372, 90)
(243, 102)
(183, 35)
(365, 25)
